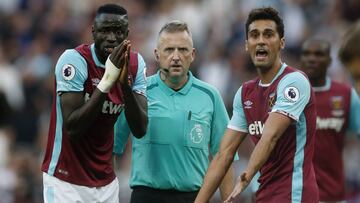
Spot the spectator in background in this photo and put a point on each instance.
(338, 110)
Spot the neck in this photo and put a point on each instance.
(267, 75)
(100, 56)
(175, 84)
(319, 82)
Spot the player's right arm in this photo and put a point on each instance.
(220, 164)
(233, 137)
(354, 116)
(77, 114)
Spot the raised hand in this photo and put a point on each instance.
(125, 69)
(117, 57)
(241, 185)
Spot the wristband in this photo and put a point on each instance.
(110, 76)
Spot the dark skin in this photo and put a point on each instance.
(109, 33)
(315, 60)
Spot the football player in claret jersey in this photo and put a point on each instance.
(277, 110)
(337, 107)
(94, 83)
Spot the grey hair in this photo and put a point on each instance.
(175, 26)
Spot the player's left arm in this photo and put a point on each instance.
(135, 99)
(354, 116)
(274, 127)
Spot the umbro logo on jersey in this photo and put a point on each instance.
(248, 104)
(95, 81)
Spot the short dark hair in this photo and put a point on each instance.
(266, 13)
(111, 9)
(350, 48)
(325, 42)
(175, 26)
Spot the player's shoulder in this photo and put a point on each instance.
(294, 75)
(134, 53)
(250, 83)
(72, 59)
(340, 86)
(71, 54)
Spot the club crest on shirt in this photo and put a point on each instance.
(337, 106)
(68, 72)
(272, 100)
(196, 134)
(292, 94)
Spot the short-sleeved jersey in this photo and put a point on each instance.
(336, 106)
(288, 174)
(86, 161)
(184, 127)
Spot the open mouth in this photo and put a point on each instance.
(261, 54)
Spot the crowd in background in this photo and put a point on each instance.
(33, 34)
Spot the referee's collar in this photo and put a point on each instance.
(169, 91)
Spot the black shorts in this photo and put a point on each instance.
(142, 194)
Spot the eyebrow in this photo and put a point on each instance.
(265, 30)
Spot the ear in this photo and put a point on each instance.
(246, 46)
(156, 53)
(282, 43)
(193, 54)
(93, 31)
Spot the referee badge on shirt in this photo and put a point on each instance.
(68, 72)
(196, 134)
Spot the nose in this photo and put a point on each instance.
(261, 40)
(111, 37)
(176, 56)
(311, 58)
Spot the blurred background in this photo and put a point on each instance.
(33, 34)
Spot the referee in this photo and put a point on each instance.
(187, 119)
